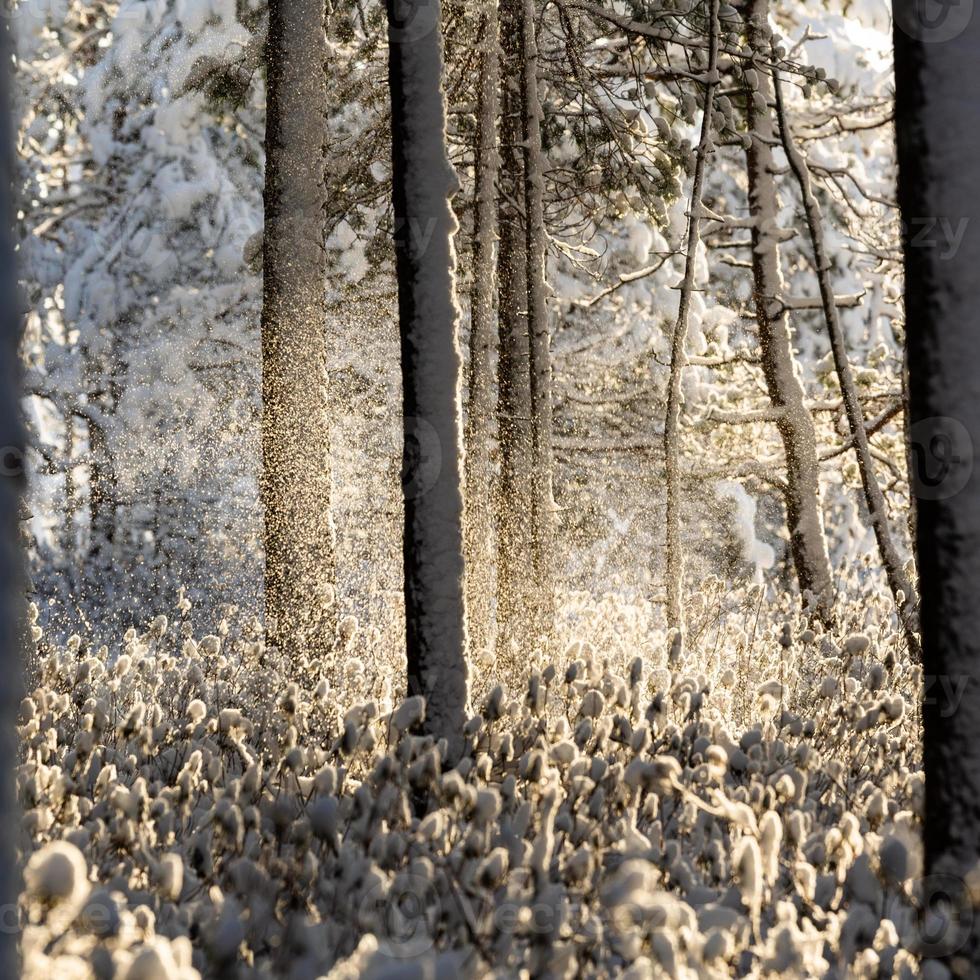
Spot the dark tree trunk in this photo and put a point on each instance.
(538, 327)
(299, 535)
(13, 623)
(480, 403)
(909, 456)
(103, 501)
(515, 500)
(423, 183)
(69, 527)
(803, 507)
(938, 127)
(103, 569)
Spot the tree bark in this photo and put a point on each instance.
(678, 355)
(101, 558)
(13, 634)
(539, 333)
(901, 585)
(480, 402)
(909, 455)
(808, 545)
(299, 533)
(423, 183)
(515, 501)
(69, 531)
(938, 128)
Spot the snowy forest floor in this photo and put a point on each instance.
(207, 807)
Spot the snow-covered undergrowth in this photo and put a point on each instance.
(207, 807)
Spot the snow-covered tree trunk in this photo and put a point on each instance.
(674, 571)
(299, 534)
(515, 506)
(938, 127)
(480, 402)
(539, 332)
(803, 508)
(13, 625)
(901, 585)
(422, 184)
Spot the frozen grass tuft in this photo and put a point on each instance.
(205, 808)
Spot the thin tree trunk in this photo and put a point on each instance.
(938, 126)
(678, 353)
(69, 530)
(423, 182)
(480, 403)
(102, 479)
(13, 634)
(103, 502)
(515, 501)
(901, 586)
(299, 534)
(803, 511)
(539, 333)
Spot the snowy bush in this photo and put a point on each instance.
(197, 807)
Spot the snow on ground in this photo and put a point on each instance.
(206, 807)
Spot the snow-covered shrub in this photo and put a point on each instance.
(194, 806)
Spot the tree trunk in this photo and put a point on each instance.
(299, 534)
(423, 182)
(901, 586)
(938, 127)
(108, 565)
(539, 333)
(909, 455)
(69, 530)
(515, 506)
(480, 403)
(803, 511)
(101, 557)
(13, 635)
(678, 355)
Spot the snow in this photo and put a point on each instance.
(640, 240)
(662, 827)
(56, 875)
(749, 806)
(759, 554)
